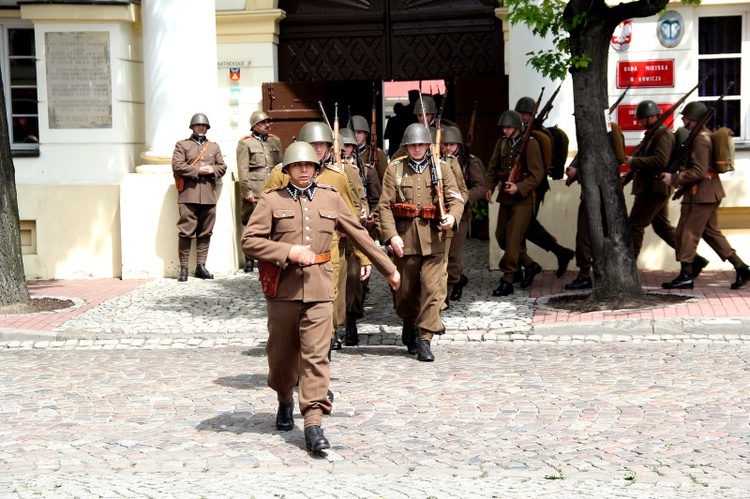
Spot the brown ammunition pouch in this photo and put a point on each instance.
(270, 273)
(408, 210)
(179, 183)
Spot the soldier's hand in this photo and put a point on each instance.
(394, 280)
(666, 178)
(370, 220)
(364, 272)
(488, 196)
(301, 255)
(448, 222)
(396, 245)
(250, 198)
(571, 172)
(511, 188)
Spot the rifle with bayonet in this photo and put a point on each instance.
(515, 171)
(470, 136)
(544, 112)
(683, 149)
(612, 108)
(435, 148)
(648, 135)
(374, 130)
(337, 137)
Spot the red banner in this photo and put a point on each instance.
(628, 122)
(654, 73)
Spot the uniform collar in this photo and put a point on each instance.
(260, 137)
(296, 192)
(419, 166)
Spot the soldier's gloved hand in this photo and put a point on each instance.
(394, 280)
(301, 255)
(396, 245)
(448, 222)
(364, 272)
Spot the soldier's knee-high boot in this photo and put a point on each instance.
(202, 250)
(183, 250)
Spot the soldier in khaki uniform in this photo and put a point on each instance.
(292, 227)
(320, 137)
(379, 160)
(516, 198)
(473, 177)
(196, 163)
(702, 196)
(411, 228)
(257, 153)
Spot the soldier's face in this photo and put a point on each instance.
(321, 149)
(199, 130)
(450, 148)
(510, 131)
(429, 117)
(262, 127)
(525, 117)
(301, 174)
(647, 121)
(361, 137)
(417, 151)
(348, 150)
(689, 123)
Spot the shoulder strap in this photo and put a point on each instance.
(205, 146)
(399, 176)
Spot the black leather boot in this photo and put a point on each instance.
(579, 283)
(405, 333)
(743, 275)
(504, 289)
(183, 275)
(249, 265)
(335, 342)
(424, 354)
(201, 272)
(284, 419)
(699, 263)
(458, 288)
(351, 338)
(528, 276)
(682, 281)
(315, 440)
(563, 260)
(413, 346)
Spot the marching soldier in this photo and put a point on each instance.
(257, 153)
(584, 254)
(362, 133)
(424, 103)
(290, 233)
(516, 198)
(536, 232)
(196, 163)
(412, 231)
(471, 173)
(702, 196)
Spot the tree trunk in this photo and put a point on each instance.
(12, 279)
(615, 272)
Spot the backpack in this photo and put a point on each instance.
(560, 144)
(545, 145)
(723, 142)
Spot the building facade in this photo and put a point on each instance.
(99, 92)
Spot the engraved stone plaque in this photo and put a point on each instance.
(79, 79)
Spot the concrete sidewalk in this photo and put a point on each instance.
(231, 310)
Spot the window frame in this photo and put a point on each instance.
(17, 148)
(742, 92)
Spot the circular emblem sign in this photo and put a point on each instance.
(622, 35)
(669, 29)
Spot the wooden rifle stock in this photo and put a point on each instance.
(374, 131)
(544, 112)
(515, 171)
(337, 138)
(470, 135)
(436, 156)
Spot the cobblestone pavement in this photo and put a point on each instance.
(485, 420)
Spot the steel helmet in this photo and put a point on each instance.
(199, 119)
(525, 105)
(680, 135)
(646, 108)
(347, 137)
(452, 135)
(695, 110)
(510, 118)
(299, 152)
(360, 124)
(316, 131)
(429, 105)
(416, 133)
(257, 117)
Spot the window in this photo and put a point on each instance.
(720, 61)
(19, 72)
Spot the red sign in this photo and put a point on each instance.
(628, 122)
(655, 73)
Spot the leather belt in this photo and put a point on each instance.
(712, 175)
(319, 258)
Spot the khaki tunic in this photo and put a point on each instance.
(366, 154)
(300, 315)
(418, 300)
(700, 202)
(255, 159)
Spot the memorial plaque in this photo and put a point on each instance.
(79, 79)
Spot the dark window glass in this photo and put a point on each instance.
(25, 130)
(21, 42)
(720, 72)
(720, 35)
(22, 72)
(726, 114)
(23, 101)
